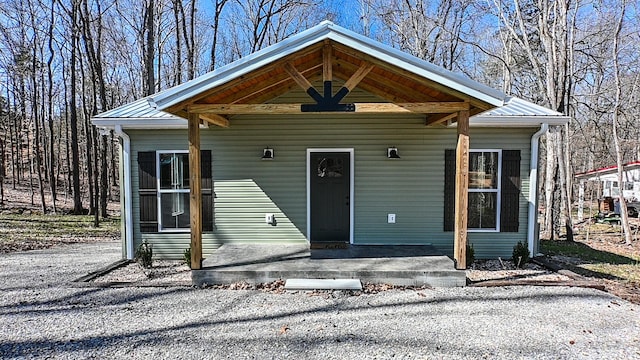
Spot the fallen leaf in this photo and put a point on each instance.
(283, 329)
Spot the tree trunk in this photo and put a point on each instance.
(177, 10)
(624, 215)
(150, 80)
(35, 111)
(73, 118)
(568, 223)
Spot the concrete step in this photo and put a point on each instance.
(323, 284)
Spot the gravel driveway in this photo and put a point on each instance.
(42, 315)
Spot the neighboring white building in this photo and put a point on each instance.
(610, 186)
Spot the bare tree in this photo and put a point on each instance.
(73, 14)
(615, 115)
(541, 31)
(217, 12)
(429, 30)
(149, 47)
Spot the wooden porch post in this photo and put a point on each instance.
(461, 192)
(195, 193)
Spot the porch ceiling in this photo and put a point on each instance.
(328, 60)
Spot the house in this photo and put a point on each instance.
(608, 184)
(329, 138)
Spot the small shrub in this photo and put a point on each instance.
(187, 256)
(471, 254)
(144, 254)
(520, 254)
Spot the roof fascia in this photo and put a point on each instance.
(518, 121)
(140, 123)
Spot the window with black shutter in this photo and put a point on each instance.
(493, 175)
(511, 185)
(147, 192)
(164, 190)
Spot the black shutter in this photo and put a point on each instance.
(449, 188)
(511, 185)
(147, 192)
(207, 190)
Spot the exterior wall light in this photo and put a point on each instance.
(392, 153)
(267, 154)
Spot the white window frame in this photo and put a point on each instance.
(168, 191)
(498, 191)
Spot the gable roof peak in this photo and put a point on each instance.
(327, 30)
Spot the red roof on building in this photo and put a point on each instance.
(609, 169)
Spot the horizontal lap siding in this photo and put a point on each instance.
(411, 187)
(166, 244)
(493, 245)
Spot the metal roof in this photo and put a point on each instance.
(519, 112)
(327, 30)
(138, 114)
(138, 109)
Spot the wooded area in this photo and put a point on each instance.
(63, 61)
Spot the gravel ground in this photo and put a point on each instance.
(43, 315)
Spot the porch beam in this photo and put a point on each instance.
(461, 192)
(365, 108)
(215, 119)
(440, 118)
(195, 191)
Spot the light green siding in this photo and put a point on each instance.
(411, 187)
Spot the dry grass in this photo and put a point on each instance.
(599, 252)
(23, 226)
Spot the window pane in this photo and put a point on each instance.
(330, 167)
(175, 210)
(174, 171)
(483, 170)
(482, 210)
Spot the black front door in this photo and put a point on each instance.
(330, 187)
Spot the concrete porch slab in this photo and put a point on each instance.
(392, 264)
